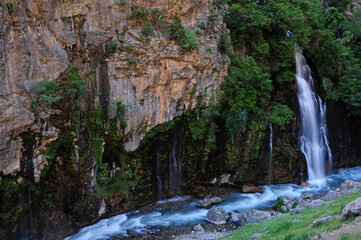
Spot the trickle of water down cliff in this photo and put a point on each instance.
(313, 137)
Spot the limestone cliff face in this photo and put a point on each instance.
(40, 39)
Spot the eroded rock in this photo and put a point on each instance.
(251, 189)
(351, 209)
(349, 186)
(217, 216)
(321, 221)
(208, 202)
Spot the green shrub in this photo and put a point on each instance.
(281, 115)
(48, 91)
(224, 44)
(186, 38)
(139, 15)
(148, 29)
(76, 84)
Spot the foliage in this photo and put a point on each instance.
(224, 44)
(236, 121)
(103, 175)
(48, 91)
(281, 115)
(186, 38)
(9, 187)
(95, 132)
(246, 87)
(76, 84)
(153, 134)
(111, 48)
(148, 29)
(139, 15)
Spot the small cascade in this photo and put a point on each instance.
(270, 153)
(175, 159)
(29, 217)
(313, 139)
(160, 186)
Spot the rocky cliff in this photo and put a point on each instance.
(42, 39)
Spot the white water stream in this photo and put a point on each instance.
(313, 139)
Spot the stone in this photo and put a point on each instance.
(198, 228)
(251, 189)
(256, 235)
(225, 178)
(217, 216)
(351, 209)
(349, 186)
(304, 184)
(208, 202)
(284, 208)
(321, 221)
(306, 196)
(235, 217)
(331, 194)
(255, 216)
(316, 203)
(297, 209)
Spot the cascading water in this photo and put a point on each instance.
(175, 168)
(160, 186)
(313, 139)
(270, 153)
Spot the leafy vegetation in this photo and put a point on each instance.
(186, 38)
(48, 91)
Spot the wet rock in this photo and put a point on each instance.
(235, 217)
(304, 184)
(225, 178)
(251, 189)
(217, 216)
(331, 194)
(351, 209)
(208, 202)
(316, 203)
(198, 228)
(254, 216)
(256, 235)
(306, 196)
(349, 186)
(321, 221)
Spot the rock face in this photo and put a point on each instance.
(351, 209)
(321, 221)
(39, 39)
(217, 216)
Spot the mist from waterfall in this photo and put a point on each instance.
(313, 137)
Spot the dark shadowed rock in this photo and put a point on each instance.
(198, 228)
(217, 216)
(208, 202)
(351, 209)
(349, 186)
(251, 189)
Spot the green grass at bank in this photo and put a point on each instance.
(296, 226)
(351, 236)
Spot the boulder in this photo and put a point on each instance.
(208, 202)
(349, 186)
(353, 208)
(217, 216)
(331, 194)
(198, 228)
(251, 189)
(304, 184)
(254, 216)
(316, 203)
(306, 196)
(297, 209)
(225, 178)
(321, 221)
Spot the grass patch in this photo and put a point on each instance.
(296, 226)
(350, 236)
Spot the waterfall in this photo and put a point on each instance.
(313, 139)
(175, 168)
(270, 153)
(160, 186)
